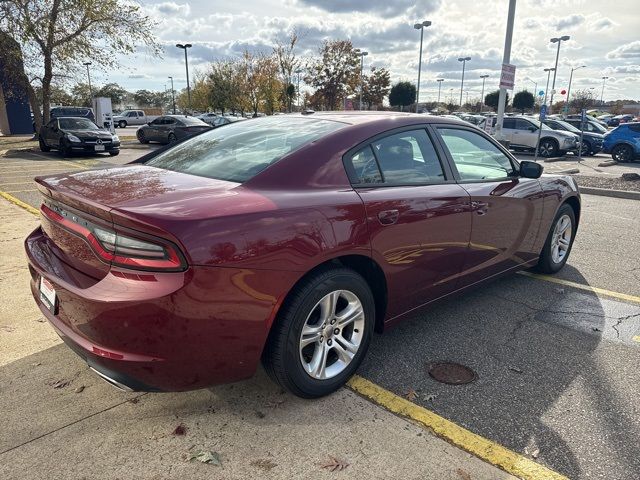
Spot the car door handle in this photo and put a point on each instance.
(388, 217)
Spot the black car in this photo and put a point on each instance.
(591, 142)
(74, 134)
(171, 128)
(57, 112)
(591, 126)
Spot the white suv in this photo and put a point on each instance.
(522, 134)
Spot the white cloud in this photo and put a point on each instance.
(172, 8)
(627, 51)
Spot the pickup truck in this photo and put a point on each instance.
(132, 117)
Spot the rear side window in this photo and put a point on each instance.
(241, 150)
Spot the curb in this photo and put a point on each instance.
(626, 194)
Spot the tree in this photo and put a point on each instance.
(59, 96)
(144, 98)
(582, 99)
(284, 52)
(60, 34)
(222, 84)
(523, 100)
(491, 99)
(376, 87)
(81, 95)
(402, 94)
(336, 73)
(115, 92)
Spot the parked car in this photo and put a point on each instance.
(132, 117)
(85, 112)
(590, 125)
(288, 239)
(225, 120)
(208, 117)
(618, 119)
(623, 142)
(522, 134)
(591, 142)
(171, 128)
(77, 134)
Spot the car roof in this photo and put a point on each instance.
(363, 117)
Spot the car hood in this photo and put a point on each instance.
(89, 133)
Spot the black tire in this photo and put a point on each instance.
(586, 148)
(282, 358)
(622, 153)
(546, 264)
(64, 149)
(141, 137)
(171, 138)
(122, 124)
(43, 146)
(548, 147)
(114, 153)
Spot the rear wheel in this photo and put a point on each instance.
(622, 153)
(559, 241)
(548, 147)
(122, 123)
(43, 146)
(322, 333)
(141, 136)
(171, 138)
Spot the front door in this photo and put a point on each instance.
(506, 208)
(418, 217)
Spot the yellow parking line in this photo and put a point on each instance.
(16, 183)
(636, 338)
(19, 203)
(491, 452)
(20, 191)
(598, 291)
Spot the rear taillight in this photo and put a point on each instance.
(116, 248)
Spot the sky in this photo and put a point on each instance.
(604, 37)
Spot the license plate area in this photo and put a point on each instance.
(99, 148)
(48, 295)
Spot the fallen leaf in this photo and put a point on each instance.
(60, 383)
(180, 430)
(79, 389)
(7, 328)
(515, 369)
(535, 453)
(275, 404)
(411, 395)
(264, 464)
(429, 397)
(463, 474)
(207, 457)
(334, 464)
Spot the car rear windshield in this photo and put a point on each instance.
(191, 121)
(77, 124)
(239, 151)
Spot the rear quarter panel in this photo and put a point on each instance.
(556, 190)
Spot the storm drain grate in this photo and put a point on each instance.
(451, 373)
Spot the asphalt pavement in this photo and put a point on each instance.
(556, 367)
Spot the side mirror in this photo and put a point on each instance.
(530, 169)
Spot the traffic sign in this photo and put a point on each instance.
(583, 115)
(543, 112)
(541, 93)
(508, 76)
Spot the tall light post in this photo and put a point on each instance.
(186, 66)
(421, 27)
(86, 64)
(439, 80)
(173, 96)
(484, 78)
(566, 105)
(362, 55)
(298, 71)
(451, 95)
(548, 70)
(506, 60)
(604, 80)
(464, 61)
(557, 40)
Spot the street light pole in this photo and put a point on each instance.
(557, 40)
(421, 27)
(506, 60)
(186, 66)
(86, 64)
(298, 71)
(604, 79)
(173, 96)
(566, 106)
(548, 70)
(483, 77)
(464, 61)
(362, 55)
(439, 80)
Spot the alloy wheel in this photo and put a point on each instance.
(622, 153)
(561, 239)
(547, 148)
(332, 334)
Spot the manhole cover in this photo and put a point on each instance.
(451, 373)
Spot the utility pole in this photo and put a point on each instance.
(557, 40)
(464, 61)
(439, 80)
(421, 27)
(186, 66)
(483, 77)
(173, 96)
(506, 59)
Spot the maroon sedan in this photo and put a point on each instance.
(286, 239)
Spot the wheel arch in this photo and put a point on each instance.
(574, 203)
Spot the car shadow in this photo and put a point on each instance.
(540, 385)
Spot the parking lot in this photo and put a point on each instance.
(555, 360)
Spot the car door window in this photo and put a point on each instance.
(363, 167)
(474, 156)
(509, 123)
(522, 124)
(408, 158)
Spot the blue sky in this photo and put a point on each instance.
(604, 36)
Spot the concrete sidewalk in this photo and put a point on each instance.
(87, 429)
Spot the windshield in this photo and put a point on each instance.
(598, 127)
(241, 150)
(77, 124)
(568, 126)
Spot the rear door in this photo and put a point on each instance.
(418, 217)
(523, 134)
(506, 208)
(508, 127)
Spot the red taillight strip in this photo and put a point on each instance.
(173, 262)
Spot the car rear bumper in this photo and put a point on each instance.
(160, 331)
